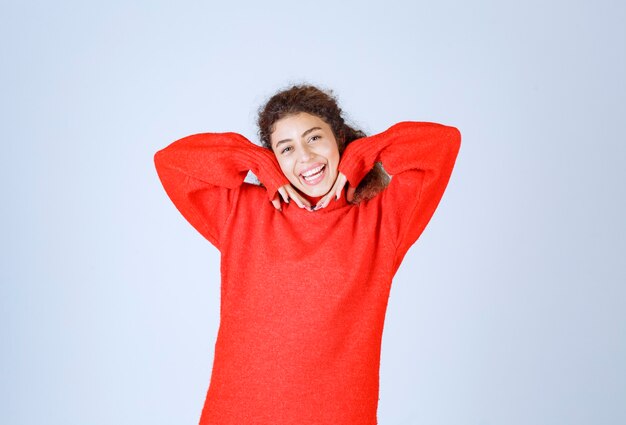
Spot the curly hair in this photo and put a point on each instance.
(322, 103)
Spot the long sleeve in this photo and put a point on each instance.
(420, 157)
(203, 175)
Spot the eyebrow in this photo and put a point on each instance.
(303, 134)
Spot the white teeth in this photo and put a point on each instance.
(313, 171)
(310, 178)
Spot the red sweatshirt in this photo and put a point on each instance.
(304, 294)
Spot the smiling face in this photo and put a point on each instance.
(307, 152)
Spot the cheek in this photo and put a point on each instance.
(333, 156)
(329, 151)
(286, 165)
(281, 160)
(333, 170)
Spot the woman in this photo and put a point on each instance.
(305, 284)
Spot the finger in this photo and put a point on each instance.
(339, 191)
(305, 202)
(283, 193)
(302, 203)
(337, 187)
(350, 193)
(323, 202)
(326, 199)
(341, 180)
(276, 203)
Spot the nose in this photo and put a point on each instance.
(305, 154)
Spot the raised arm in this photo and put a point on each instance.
(203, 175)
(420, 157)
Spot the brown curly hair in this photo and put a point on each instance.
(323, 104)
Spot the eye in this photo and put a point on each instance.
(314, 138)
(285, 150)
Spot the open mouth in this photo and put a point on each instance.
(314, 176)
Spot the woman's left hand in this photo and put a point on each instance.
(336, 190)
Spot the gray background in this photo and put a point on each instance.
(508, 310)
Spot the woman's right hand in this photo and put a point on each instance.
(288, 192)
(336, 191)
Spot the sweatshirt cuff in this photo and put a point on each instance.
(268, 170)
(358, 159)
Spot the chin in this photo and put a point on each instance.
(317, 191)
(313, 191)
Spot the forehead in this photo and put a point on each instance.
(299, 122)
